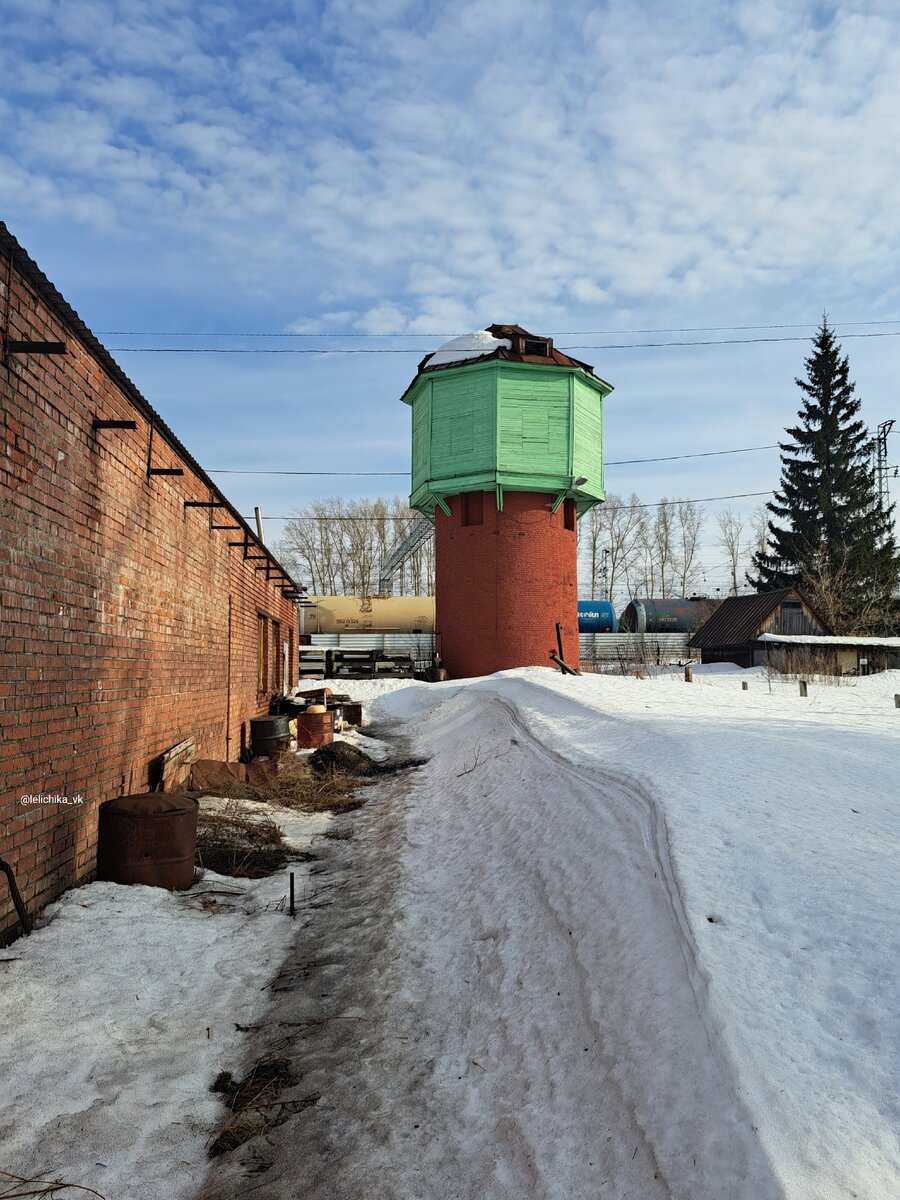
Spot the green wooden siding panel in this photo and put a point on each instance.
(533, 423)
(462, 424)
(421, 437)
(520, 427)
(588, 444)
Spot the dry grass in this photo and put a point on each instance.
(20, 1186)
(296, 787)
(232, 841)
(254, 1102)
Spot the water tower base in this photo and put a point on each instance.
(503, 581)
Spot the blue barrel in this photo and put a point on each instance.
(596, 616)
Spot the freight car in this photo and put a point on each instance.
(367, 614)
(676, 615)
(596, 616)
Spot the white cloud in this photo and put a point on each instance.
(435, 162)
(324, 323)
(383, 318)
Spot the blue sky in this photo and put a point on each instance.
(399, 167)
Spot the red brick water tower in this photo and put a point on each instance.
(507, 454)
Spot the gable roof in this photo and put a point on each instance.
(738, 618)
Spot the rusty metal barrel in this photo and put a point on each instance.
(149, 838)
(315, 729)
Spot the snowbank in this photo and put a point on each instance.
(620, 937)
(778, 817)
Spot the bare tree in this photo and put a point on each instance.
(688, 522)
(667, 539)
(591, 544)
(731, 533)
(659, 538)
(828, 582)
(758, 540)
(609, 545)
(338, 545)
(624, 520)
(646, 575)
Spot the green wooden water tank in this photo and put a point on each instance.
(503, 410)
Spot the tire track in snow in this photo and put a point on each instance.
(505, 996)
(617, 787)
(660, 981)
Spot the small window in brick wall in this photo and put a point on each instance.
(471, 508)
(262, 652)
(569, 514)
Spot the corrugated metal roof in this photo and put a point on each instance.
(53, 298)
(738, 618)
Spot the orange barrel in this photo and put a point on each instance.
(315, 729)
(149, 838)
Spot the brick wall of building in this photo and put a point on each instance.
(127, 623)
(501, 585)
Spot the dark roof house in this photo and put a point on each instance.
(731, 633)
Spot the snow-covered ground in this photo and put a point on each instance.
(119, 1011)
(633, 938)
(619, 937)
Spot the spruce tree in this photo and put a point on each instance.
(829, 534)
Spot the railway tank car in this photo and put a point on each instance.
(596, 616)
(367, 614)
(676, 615)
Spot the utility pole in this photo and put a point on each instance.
(882, 469)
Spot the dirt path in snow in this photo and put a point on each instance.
(495, 996)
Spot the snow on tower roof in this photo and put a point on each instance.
(511, 343)
(468, 345)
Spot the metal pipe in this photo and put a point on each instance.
(18, 902)
(228, 690)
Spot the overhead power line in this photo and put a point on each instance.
(235, 471)
(623, 508)
(621, 462)
(558, 333)
(430, 349)
(628, 462)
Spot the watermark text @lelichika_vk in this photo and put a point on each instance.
(51, 798)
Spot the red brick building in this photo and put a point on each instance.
(138, 608)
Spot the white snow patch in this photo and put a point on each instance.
(806, 639)
(121, 1009)
(777, 817)
(469, 345)
(647, 928)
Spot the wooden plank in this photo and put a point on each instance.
(172, 769)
